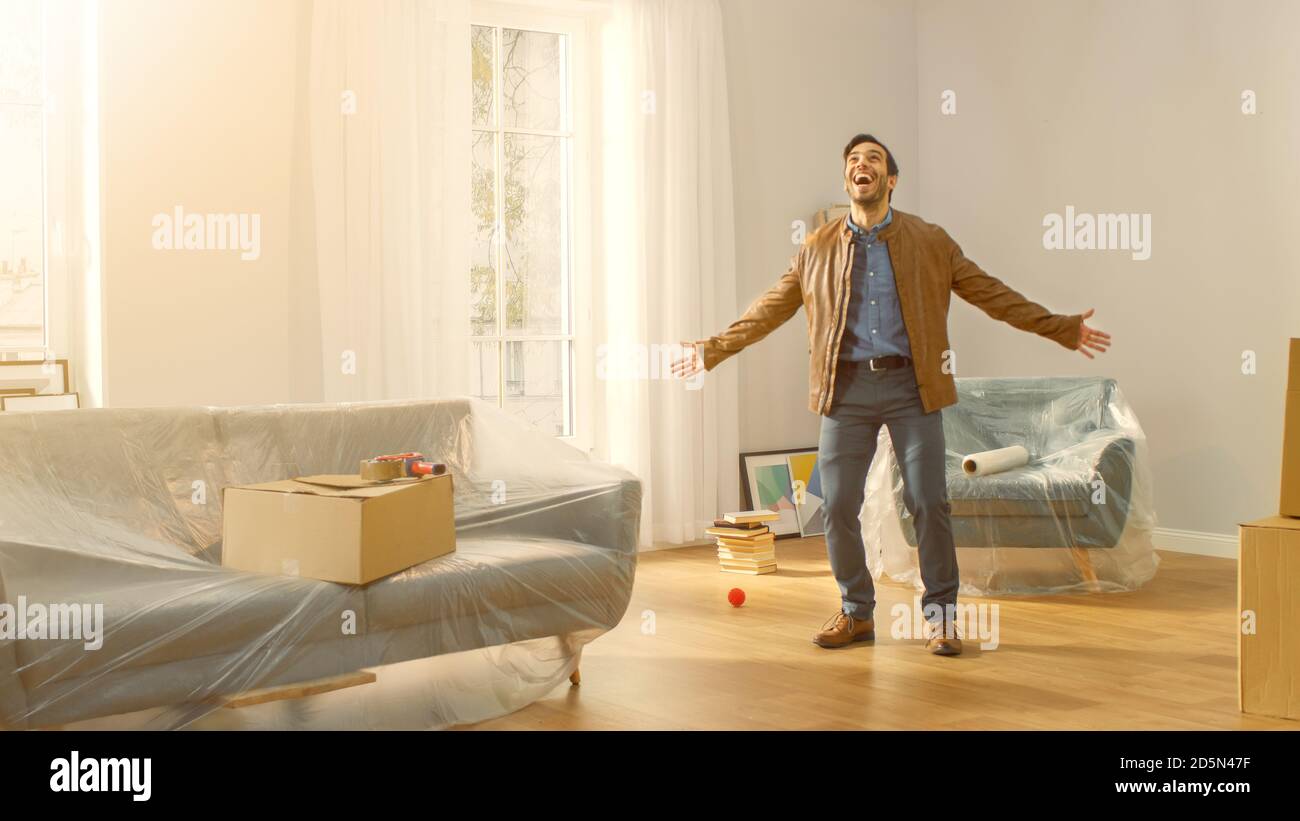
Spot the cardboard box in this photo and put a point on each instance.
(829, 214)
(337, 528)
(1291, 437)
(1268, 602)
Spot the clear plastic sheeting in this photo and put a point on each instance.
(120, 511)
(1078, 517)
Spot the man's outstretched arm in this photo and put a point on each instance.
(992, 296)
(764, 315)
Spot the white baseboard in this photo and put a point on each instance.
(1164, 538)
(1195, 541)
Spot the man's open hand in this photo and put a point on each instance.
(689, 363)
(1091, 338)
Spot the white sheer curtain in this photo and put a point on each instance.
(392, 230)
(668, 272)
(389, 140)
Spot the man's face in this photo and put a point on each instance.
(866, 174)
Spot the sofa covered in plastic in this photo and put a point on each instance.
(122, 508)
(1077, 517)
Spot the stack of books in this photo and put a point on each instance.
(745, 544)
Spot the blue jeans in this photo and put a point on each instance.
(865, 400)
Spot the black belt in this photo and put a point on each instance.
(880, 363)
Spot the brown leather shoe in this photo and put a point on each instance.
(842, 630)
(943, 640)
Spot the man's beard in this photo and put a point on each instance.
(870, 200)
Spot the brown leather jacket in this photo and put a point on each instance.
(928, 266)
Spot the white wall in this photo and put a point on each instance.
(196, 110)
(1116, 106)
(802, 79)
(1109, 106)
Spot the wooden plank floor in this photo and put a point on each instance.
(1160, 658)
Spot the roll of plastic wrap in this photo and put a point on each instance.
(994, 461)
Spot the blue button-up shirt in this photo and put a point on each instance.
(875, 319)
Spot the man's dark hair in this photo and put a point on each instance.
(890, 165)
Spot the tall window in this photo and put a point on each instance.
(22, 177)
(521, 300)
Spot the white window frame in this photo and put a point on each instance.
(569, 19)
(71, 207)
(45, 350)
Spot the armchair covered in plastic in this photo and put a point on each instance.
(121, 509)
(1077, 517)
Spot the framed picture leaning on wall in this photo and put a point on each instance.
(788, 483)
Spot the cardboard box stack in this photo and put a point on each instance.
(745, 544)
(1291, 438)
(1268, 584)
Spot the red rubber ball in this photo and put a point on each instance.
(736, 597)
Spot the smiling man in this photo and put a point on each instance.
(875, 284)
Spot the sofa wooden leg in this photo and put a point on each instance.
(300, 690)
(575, 678)
(1083, 561)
